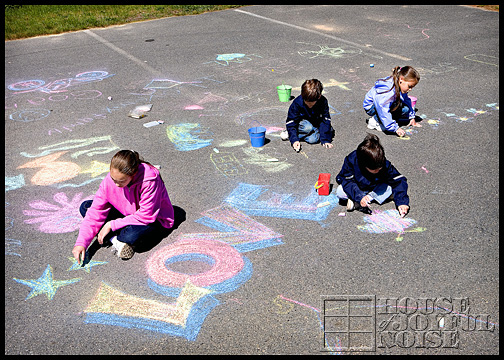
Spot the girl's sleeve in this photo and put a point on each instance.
(95, 217)
(382, 104)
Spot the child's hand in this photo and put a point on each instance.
(403, 210)
(296, 146)
(78, 252)
(104, 231)
(414, 123)
(365, 201)
(327, 145)
(400, 132)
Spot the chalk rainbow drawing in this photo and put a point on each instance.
(187, 136)
(75, 144)
(62, 218)
(182, 318)
(245, 198)
(388, 221)
(45, 284)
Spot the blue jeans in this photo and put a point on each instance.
(129, 234)
(379, 194)
(308, 132)
(400, 115)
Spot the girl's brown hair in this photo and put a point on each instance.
(311, 90)
(409, 73)
(126, 162)
(370, 153)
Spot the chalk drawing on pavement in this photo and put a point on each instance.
(388, 221)
(45, 284)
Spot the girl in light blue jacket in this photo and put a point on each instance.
(388, 104)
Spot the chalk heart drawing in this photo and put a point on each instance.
(194, 292)
(56, 219)
(52, 171)
(388, 221)
(188, 136)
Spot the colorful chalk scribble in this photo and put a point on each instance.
(45, 284)
(188, 136)
(62, 218)
(60, 85)
(388, 221)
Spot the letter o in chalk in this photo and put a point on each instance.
(228, 262)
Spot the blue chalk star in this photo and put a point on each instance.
(45, 284)
(87, 267)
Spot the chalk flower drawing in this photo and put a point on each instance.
(54, 219)
(388, 221)
(45, 284)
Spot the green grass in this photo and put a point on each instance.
(23, 21)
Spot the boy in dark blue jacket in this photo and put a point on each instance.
(367, 175)
(308, 117)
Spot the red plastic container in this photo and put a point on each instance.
(322, 184)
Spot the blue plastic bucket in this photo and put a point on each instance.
(257, 136)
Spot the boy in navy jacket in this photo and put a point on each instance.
(367, 175)
(308, 118)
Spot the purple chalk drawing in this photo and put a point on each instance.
(56, 219)
(388, 221)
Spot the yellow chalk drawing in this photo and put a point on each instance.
(232, 143)
(227, 164)
(333, 82)
(285, 306)
(255, 157)
(111, 301)
(97, 168)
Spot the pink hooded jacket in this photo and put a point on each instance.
(143, 201)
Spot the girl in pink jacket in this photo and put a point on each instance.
(131, 204)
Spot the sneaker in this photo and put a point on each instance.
(350, 206)
(284, 135)
(373, 124)
(122, 250)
